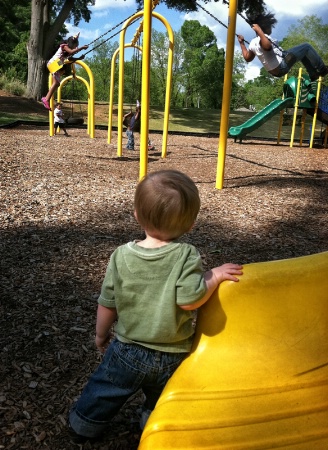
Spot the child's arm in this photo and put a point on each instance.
(212, 279)
(247, 54)
(105, 319)
(72, 51)
(129, 114)
(266, 44)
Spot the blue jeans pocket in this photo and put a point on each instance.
(121, 369)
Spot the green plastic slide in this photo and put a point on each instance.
(261, 117)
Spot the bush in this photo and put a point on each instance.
(3, 81)
(15, 87)
(12, 86)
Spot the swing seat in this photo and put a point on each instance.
(257, 376)
(75, 121)
(58, 64)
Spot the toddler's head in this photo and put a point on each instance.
(166, 204)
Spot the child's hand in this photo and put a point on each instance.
(256, 28)
(227, 272)
(102, 342)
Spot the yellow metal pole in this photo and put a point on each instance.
(121, 83)
(111, 90)
(314, 122)
(145, 88)
(304, 113)
(168, 82)
(91, 97)
(120, 93)
(51, 113)
(226, 93)
(111, 96)
(281, 116)
(297, 99)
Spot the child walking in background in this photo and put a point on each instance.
(131, 120)
(59, 119)
(66, 49)
(274, 59)
(150, 288)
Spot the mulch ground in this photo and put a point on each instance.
(67, 203)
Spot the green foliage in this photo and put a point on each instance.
(203, 66)
(14, 34)
(159, 67)
(263, 90)
(9, 84)
(309, 29)
(254, 6)
(78, 12)
(100, 65)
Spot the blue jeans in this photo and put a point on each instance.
(124, 370)
(130, 144)
(308, 57)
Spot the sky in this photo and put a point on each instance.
(108, 13)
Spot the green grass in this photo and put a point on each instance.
(191, 120)
(6, 118)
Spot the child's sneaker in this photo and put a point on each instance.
(45, 103)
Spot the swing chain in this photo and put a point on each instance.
(217, 20)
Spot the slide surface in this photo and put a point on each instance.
(257, 376)
(261, 117)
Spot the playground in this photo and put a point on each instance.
(68, 203)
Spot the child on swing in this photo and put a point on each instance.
(273, 58)
(66, 49)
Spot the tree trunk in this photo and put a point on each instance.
(41, 43)
(34, 49)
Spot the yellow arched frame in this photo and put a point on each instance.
(91, 99)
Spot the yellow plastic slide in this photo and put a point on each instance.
(257, 377)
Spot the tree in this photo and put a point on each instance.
(159, 64)
(203, 66)
(309, 29)
(238, 82)
(253, 6)
(263, 89)
(14, 29)
(100, 65)
(47, 20)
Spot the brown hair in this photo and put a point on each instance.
(166, 203)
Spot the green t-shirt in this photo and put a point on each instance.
(146, 286)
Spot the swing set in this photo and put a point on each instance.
(58, 65)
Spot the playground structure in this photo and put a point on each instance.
(145, 86)
(145, 27)
(298, 93)
(90, 86)
(257, 375)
